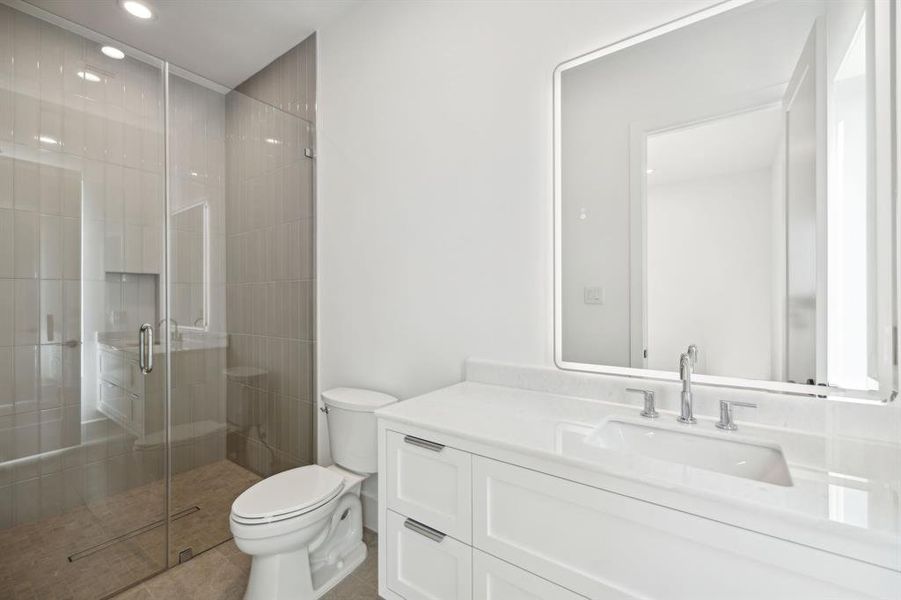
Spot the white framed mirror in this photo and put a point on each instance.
(728, 181)
(190, 285)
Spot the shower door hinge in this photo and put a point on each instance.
(308, 152)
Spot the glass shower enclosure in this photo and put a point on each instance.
(135, 194)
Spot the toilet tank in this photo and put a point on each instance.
(352, 427)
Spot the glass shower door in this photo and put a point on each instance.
(240, 254)
(83, 489)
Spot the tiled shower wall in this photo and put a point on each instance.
(197, 178)
(271, 280)
(80, 196)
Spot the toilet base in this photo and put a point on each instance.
(284, 576)
(328, 576)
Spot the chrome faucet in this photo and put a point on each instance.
(650, 408)
(176, 334)
(727, 422)
(687, 362)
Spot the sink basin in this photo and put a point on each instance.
(711, 452)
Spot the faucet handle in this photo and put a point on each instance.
(726, 422)
(650, 409)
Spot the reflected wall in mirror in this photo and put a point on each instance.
(189, 228)
(726, 182)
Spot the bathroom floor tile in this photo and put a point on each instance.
(221, 573)
(36, 563)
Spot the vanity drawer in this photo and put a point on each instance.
(112, 367)
(607, 546)
(430, 483)
(134, 378)
(494, 579)
(117, 399)
(426, 566)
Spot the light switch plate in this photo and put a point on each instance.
(593, 295)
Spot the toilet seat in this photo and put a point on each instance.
(287, 495)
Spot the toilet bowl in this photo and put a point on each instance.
(303, 527)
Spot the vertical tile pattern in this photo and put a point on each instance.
(198, 397)
(270, 265)
(197, 178)
(76, 154)
(81, 245)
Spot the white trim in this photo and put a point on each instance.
(370, 505)
(885, 99)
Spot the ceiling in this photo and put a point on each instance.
(225, 41)
(733, 144)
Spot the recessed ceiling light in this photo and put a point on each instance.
(46, 139)
(137, 9)
(88, 76)
(113, 52)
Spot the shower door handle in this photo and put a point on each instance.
(145, 348)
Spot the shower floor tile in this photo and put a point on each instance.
(35, 556)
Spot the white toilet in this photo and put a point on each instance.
(304, 527)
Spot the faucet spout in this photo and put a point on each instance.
(686, 363)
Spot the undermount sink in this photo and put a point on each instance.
(711, 452)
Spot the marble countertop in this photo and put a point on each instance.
(845, 496)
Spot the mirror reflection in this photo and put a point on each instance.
(718, 187)
(188, 230)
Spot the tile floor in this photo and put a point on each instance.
(221, 574)
(35, 556)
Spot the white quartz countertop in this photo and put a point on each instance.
(129, 346)
(844, 499)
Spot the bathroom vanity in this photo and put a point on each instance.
(134, 401)
(715, 245)
(500, 492)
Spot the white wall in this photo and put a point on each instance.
(709, 262)
(434, 182)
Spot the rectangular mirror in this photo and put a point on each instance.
(727, 181)
(189, 228)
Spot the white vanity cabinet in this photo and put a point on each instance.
(424, 563)
(459, 524)
(121, 395)
(430, 483)
(495, 579)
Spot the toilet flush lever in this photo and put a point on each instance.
(323, 410)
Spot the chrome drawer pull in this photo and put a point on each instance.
(415, 441)
(432, 534)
